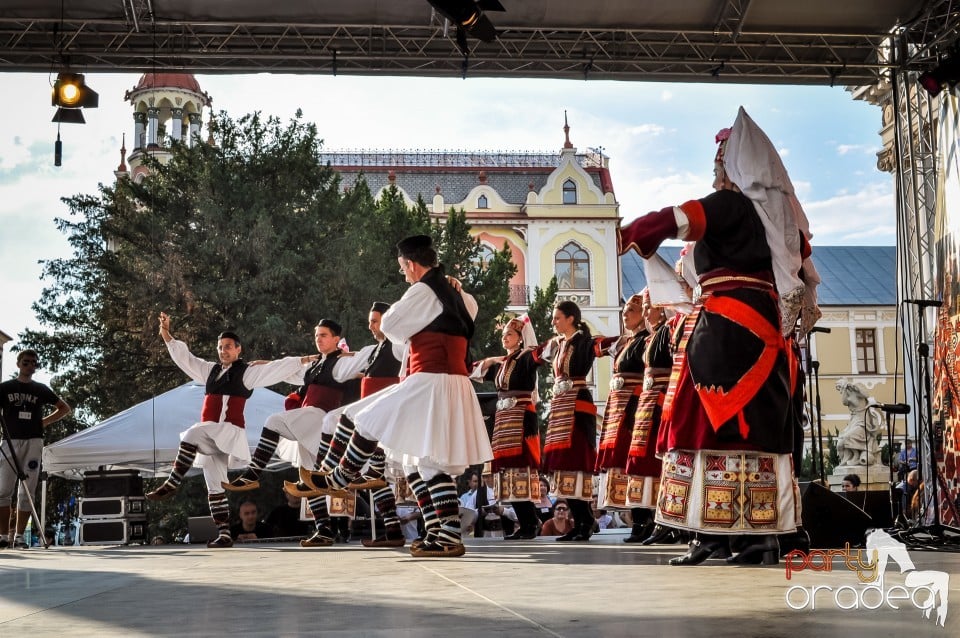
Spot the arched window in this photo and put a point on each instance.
(482, 260)
(482, 202)
(572, 268)
(569, 192)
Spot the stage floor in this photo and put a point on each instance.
(525, 588)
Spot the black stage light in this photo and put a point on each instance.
(468, 17)
(946, 72)
(70, 91)
(68, 116)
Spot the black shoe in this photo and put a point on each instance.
(572, 535)
(220, 542)
(766, 551)
(697, 553)
(522, 535)
(661, 536)
(4, 543)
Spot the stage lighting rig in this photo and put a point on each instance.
(946, 72)
(70, 95)
(468, 17)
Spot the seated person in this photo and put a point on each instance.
(560, 523)
(284, 520)
(851, 483)
(544, 505)
(249, 527)
(408, 511)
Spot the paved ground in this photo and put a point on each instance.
(526, 588)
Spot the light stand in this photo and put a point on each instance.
(10, 455)
(935, 534)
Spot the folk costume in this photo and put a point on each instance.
(569, 452)
(219, 441)
(728, 422)
(430, 422)
(516, 430)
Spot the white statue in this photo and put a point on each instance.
(858, 443)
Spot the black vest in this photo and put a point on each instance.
(382, 363)
(231, 383)
(454, 320)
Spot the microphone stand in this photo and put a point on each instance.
(814, 367)
(896, 512)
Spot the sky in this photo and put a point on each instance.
(659, 138)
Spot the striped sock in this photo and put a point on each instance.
(182, 464)
(420, 490)
(443, 493)
(324, 448)
(264, 452)
(339, 443)
(321, 515)
(386, 504)
(358, 451)
(377, 465)
(220, 512)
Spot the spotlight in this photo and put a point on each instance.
(468, 17)
(71, 92)
(946, 72)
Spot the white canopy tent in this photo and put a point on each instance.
(145, 437)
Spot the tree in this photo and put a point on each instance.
(487, 280)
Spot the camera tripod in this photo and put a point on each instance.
(9, 455)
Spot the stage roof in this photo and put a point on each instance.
(747, 41)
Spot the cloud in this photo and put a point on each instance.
(666, 96)
(844, 149)
(866, 217)
(646, 129)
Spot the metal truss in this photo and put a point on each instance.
(728, 52)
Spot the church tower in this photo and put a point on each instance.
(166, 107)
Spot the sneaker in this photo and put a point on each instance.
(220, 542)
(319, 539)
(243, 483)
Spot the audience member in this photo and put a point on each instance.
(545, 504)
(249, 527)
(851, 483)
(560, 523)
(284, 520)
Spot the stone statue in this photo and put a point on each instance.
(858, 443)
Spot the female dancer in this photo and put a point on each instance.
(569, 453)
(618, 416)
(516, 435)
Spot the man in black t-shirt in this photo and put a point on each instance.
(250, 527)
(23, 402)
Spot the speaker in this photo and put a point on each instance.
(876, 503)
(831, 520)
(109, 483)
(118, 531)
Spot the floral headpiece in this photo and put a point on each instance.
(721, 139)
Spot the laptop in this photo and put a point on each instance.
(201, 529)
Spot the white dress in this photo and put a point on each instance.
(430, 421)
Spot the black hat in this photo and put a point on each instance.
(379, 306)
(410, 246)
(331, 325)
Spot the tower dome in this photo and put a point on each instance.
(167, 108)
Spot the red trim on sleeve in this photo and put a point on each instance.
(697, 219)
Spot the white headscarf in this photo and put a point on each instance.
(754, 165)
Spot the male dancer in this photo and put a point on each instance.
(321, 392)
(432, 417)
(24, 402)
(220, 433)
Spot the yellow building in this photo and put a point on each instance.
(557, 213)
